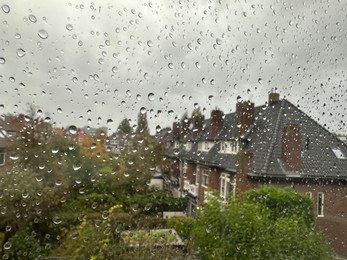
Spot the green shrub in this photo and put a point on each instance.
(283, 203)
(25, 244)
(183, 226)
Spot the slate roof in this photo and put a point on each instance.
(264, 139)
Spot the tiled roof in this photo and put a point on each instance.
(264, 139)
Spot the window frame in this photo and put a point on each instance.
(2, 158)
(227, 186)
(320, 204)
(205, 177)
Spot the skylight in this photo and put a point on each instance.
(338, 153)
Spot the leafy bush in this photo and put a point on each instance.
(183, 226)
(245, 230)
(283, 202)
(25, 244)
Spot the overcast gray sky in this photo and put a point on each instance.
(87, 62)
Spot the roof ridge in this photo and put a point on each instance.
(274, 138)
(315, 121)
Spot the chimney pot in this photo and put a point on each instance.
(273, 98)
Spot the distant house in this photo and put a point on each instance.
(276, 144)
(79, 137)
(117, 142)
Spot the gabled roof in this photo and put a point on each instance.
(317, 157)
(320, 148)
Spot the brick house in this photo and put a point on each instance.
(276, 144)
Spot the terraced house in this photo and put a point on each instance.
(276, 144)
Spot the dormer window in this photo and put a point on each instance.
(189, 146)
(229, 147)
(204, 146)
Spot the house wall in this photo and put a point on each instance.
(333, 224)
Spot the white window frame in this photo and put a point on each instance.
(188, 146)
(309, 193)
(227, 181)
(320, 204)
(205, 177)
(197, 177)
(205, 146)
(3, 156)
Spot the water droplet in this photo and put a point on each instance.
(150, 96)
(114, 69)
(2, 60)
(219, 41)
(138, 97)
(7, 245)
(260, 81)
(170, 65)
(149, 43)
(145, 75)
(42, 34)
(210, 97)
(73, 129)
(109, 122)
(14, 156)
(32, 18)
(17, 36)
(2, 106)
(105, 214)
(56, 220)
(170, 112)
(8, 228)
(158, 128)
(197, 64)
(69, 27)
(25, 195)
(5, 8)
(55, 150)
(20, 53)
(143, 110)
(76, 167)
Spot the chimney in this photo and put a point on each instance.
(244, 166)
(291, 147)
(244, 116)
(273, 98)
(198, 122)
(176, 131)
(216, 123)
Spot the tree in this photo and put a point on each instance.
(142, 124)
(247, 230)
(124, 127)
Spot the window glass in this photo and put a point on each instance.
(114, 114)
